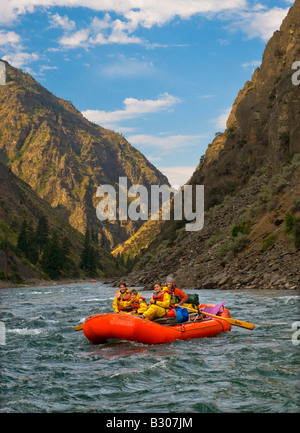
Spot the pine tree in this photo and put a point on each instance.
(22, 242)
(52, 258)
(65, 253)
(89, 256)
(66, 246)
(92, 267)
(32, 252)
(4, 245)
(42, 233)
(85, 254)
(54, 253)
(26, 242)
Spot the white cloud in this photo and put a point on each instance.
(139, 12)
(42, 69)
(253, 19)
(261, 23)
(47, 68)
(108, 31)
(221, 121)
(177, 175)
(154, 158)
(252, 64)
(101, 32)
(133, 108)
(9, 38)
(206, 96)
(63, 22)
(21, 59)
(10, 43)
(223, 42)
(164, 143)
(76, 39)
(148, 13)
(123, 67)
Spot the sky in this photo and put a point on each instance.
(163, 73)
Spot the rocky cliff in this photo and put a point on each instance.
(251, 178)
(47, 142)
(263, 126)
(251, 241)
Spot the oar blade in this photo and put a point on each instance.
(231, 321)
(78, 327)
(242, 324)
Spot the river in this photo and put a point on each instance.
(48, 367)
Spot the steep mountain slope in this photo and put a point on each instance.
(264, 125)
(18, 203)
(247, 242)
(64, 157)
(251, 178)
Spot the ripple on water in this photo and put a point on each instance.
(47, 367)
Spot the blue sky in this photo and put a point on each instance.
(163, 73)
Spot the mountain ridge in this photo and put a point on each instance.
(64, 157)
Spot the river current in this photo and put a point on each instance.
(46, 366)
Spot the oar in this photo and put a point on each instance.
(79, 327)
(227, 319)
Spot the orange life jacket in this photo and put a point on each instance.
(124, 297)
(174, 287)
(174, 298)
(135, 304)
(160, 296)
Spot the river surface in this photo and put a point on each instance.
(46, 366)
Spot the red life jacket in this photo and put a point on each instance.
(174, 299)
(160, 297)
(124, 297)
(135, 304)
(173, 288)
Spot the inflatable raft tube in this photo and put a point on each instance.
(102, 327)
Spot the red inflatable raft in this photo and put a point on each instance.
(102, 327)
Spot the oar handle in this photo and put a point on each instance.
(80, 327)
(232, 321)
(227, 319)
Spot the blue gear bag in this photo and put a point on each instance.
(182, 314)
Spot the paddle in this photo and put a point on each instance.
(227, 319)
(80, 327)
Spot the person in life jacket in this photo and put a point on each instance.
(159, 304)
(122, 299)
(178, 297)
(137, 303)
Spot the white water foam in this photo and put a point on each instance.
(24, 331)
